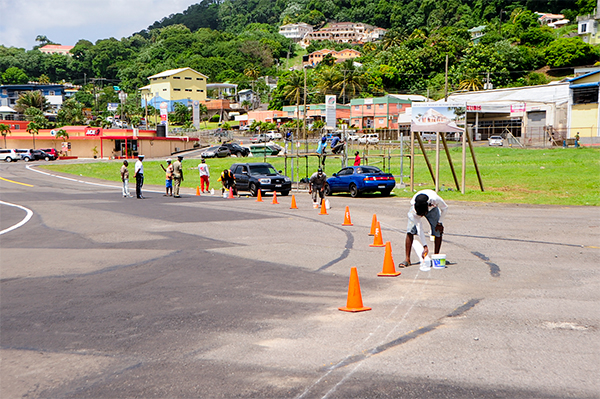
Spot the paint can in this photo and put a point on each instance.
(439, 261)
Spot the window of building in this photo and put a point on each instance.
(51, 93)
(380, 106)
(176, 89)
(356, 107)
(176, 77)
(583, 28)
(199, 79)
(199, 91)
(164, 89)
(381, 121)
(368, 107)
(585, 95)
(188, 78)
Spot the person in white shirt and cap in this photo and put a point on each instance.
(429, 205)
(139, 176)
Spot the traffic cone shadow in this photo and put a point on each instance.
(274, 198)
(378, 239)
(389, 270)
(373, 225)
(354, 302)
(259, 196)
(293, 203)
(347, 220)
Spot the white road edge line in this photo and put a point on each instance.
(22, 222)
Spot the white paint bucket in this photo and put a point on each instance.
(439, 261)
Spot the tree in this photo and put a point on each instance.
(71, 113)
(326, 79)
(252, 73)
(14, 75)
(33, 99)
(293, 88)
(246, 105)
(181, 113)
(352, 81)
(202, 110)
(566, 52)
(471, 81)
(33, 129)
(4, 130)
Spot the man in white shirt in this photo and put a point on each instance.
(204, 175)
(429, 205)
(139, 177)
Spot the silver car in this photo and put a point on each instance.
(496, 140)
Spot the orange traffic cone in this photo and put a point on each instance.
(389, 270)
(274, 198)
(377, 240)
(373, 225)
(198, 190)
(293, 203)
(259, 196)
(230, 192)
(347, 221)
(323, 208)
(354, 302)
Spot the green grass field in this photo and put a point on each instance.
(510, 175)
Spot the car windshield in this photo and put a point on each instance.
(369, 169)
(262, 170)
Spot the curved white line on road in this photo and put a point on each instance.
(22, 222)
(119, 187)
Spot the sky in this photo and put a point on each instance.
(68, 21)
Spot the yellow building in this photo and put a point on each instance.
(183, 85)
(584, 117)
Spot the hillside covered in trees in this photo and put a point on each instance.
(237, 40)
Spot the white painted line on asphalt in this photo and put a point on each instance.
(22, 222)
(119, 187)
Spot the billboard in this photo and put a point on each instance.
(438, 117)
(330, 110)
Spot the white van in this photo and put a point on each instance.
(371, 138)
(9, 155)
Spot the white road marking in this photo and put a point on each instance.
(22, 222)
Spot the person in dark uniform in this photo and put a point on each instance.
(139, 176)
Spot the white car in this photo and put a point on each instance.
(274, 135)
(9, 155)
(496, 140)
(372, 138)
(352, 136)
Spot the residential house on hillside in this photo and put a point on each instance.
(295, 32)
(587, 28)
(183, 85)
(316, 57)
(477, 33)
(345, 32)
(583, 105)
(53, 93)
(56, 49)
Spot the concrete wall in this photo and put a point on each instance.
(584, 119)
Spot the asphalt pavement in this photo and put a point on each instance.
(109, 297)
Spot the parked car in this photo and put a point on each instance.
(371, 138)
(262, 148)
(360, 179)
(50, 151)
(9, 155)
(25, 155)
(260, 138)
(39, 154)
(352, 136)
(246, 127)
(237, 150)
(274, 135)
(218, 151)
(260, 176)
(496, 140)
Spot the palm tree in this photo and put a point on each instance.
(202, 110)
(352, 82)
(32, 99)
(369, 46)
(33, 129)
(44, 79)
(471, 82)
(293, 89)
(246, 104)
(393, 38)
(327, 78)
(252, 73)
(4, 130)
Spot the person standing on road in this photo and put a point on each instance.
(177, 176)
(139, 176)
(429, 205)
(125, 178)
(356, 159)
(168, 177)
(204, 175)
(316, 186)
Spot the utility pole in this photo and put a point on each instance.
(446, 80)
(304, 124)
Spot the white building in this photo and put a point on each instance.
(295, 32)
